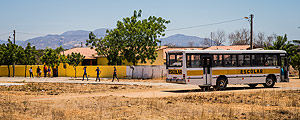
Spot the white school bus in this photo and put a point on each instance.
(218, 68)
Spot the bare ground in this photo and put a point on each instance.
(66, 99)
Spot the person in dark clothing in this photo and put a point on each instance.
(38, 71)
(30, 72)
(45, 71)
(115, 75)
(98, 73)
(85, 73)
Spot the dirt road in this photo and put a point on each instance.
(164, 89)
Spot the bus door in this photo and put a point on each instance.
(284, 72)
(207, 72)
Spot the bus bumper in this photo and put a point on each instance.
(180, 81)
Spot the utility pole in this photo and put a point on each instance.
(14, 34)
(251, 31)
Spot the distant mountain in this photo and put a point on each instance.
(2, 41)
(74, 38)
(67, 39)
(181, 40)
(5, 41)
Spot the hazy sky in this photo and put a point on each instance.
(58, 16)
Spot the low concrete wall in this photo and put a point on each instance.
(146, 71)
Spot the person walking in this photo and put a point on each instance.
(115, 75)
(30, 72)
(45, 71)
(98, 73)
(38, 71)
(85, 73)
(49, 72)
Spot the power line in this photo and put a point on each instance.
(206, 24)
(31, 33)
(5, 33)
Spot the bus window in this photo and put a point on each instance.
(241, 60)
(271, 60)
(258, 60)
(234, 60)
(227, 61)
(175, 60)
(193, 61)
(218, 60)
(247, 60)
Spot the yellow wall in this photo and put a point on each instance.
(159, 60)
(19, 70)
(106, 71)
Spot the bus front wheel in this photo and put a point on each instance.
(270, 82)
(221, 84)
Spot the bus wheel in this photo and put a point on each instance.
(253, 85)
(270, 82)
(221, 84)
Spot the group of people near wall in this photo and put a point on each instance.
(98, 74)
(47, 72)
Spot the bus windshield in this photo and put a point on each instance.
(175, 59)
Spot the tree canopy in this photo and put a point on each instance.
(50, 57)
(134, 39)
(29, 56)
(10, 53)
(282, 43)
(75, 59)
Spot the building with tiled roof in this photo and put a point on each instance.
(89, 54)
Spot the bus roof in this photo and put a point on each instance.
(228, 51)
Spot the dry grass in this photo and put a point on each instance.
(277, 104)
(60, 88)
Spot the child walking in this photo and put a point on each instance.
(115, 75)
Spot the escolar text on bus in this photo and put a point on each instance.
(251, 71)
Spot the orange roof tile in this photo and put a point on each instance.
(87, 52)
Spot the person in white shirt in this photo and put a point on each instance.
(30, 71)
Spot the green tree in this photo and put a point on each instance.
(50, 58)
(295, 62)
(59, 49)
(107, 46)
(29, 56)
(281, 43)
(10, 53)
(63, 59)
(75, 59)
(296, 41)
(134, 39)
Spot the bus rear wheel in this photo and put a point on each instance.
(221, 84)
(270, 82)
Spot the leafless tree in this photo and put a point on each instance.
(218, 37)
(206, 42)
(171, 45)
(259, 40)
(239, 37)
(270, 40)
(191, 43)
